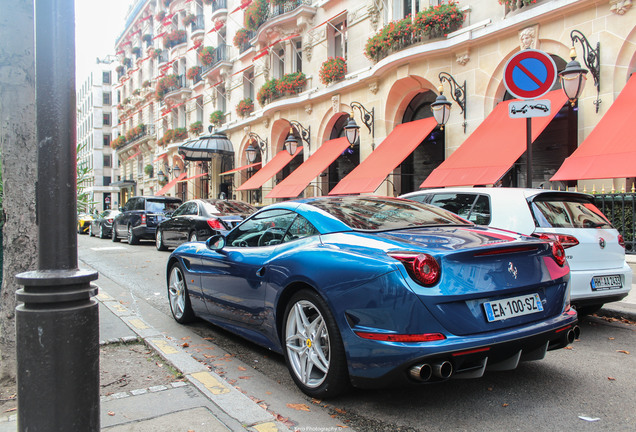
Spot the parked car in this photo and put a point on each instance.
(595, 250)
(140, 216)
(83, 223)
(102, 224)
(374, 291)
(199, 219)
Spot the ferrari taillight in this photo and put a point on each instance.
(621, 241)
(423, 268)
(215, 224)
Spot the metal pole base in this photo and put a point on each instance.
(57, 349)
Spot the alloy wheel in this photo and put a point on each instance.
(307, 343)
(177, 293)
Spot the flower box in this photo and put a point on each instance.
(195, 128)
(245, 107)
(206, 54)
(189, 19)
(217, 118)
(255, 14)
(241, 38)
(193, 72)
(333, 69)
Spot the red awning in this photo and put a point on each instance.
(133, 156)
(609, 151)
(161, 156)
(170, 184)
(193, 177)
(396, 147)
(277, 163)
(244, 167)
(490, 151)
(297, 181)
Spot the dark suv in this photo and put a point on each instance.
(141, 215)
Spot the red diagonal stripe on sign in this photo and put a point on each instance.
(530, 75)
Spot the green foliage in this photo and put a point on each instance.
(217, 118)
(255, 14)
(619, 209)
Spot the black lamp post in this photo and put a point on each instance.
(441, 107)
(352, 131)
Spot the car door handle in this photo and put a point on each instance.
(261, 272)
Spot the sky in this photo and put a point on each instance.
(97, 24)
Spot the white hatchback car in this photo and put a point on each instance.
(594, 249)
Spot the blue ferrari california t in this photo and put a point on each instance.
(371, 291)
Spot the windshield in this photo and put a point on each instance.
(575, 212)
(160, 206)
(382, 214)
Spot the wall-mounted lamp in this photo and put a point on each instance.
(292, 141)
(441, 107)
(352, 130)
(257, 144)
(573, 77)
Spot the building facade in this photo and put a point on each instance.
(96, 116)
(259, 70)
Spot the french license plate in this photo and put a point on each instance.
(512, 307)
(600, 283)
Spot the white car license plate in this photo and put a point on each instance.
(512, 307)
(606, 282)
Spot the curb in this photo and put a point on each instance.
(227, 398)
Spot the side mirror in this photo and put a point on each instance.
(216, 242)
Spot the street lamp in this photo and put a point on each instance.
(573, 77)
(256, 145)
(292, 141)
(352, 130)
(441, 107)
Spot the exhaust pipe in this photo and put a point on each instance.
(577, 332)
(443, 369)
(422, 372)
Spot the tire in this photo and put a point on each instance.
(113, 234)
(178, 296)
(90, 231)
(132, 238)
(312, 339)
(101, 231)
(193, 237)
(159, 241)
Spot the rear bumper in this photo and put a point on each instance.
(145, 232)
(581, 293)
(470, 357)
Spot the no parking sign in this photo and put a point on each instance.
(530, 74)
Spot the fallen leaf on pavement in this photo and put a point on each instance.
(622, 351)
(298, 407)
(244, 377)
(504, 405)
(344, 427)
(185, 345)
(611, 338)
(611, 378)
(340, 411)
(568, 347)
(241, 368)
(11, 409)
(185, 338)
(110, 413)
(316, 401)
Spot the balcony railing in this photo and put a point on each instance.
(280, 9)
(163, 57)
(180, 40)
(181, 82)
(198, 24)
(247, 45)
(220, 54)
(218, 5)
(147, 131)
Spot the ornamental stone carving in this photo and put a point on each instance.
(373, 87)
(308, 108)
(266, 122)
(374, 16)
(528, 38)
(619, 7)
(335, 103)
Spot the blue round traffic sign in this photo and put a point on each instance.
(530, 74)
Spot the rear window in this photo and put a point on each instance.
(161, 206)
(229, 207)
(570, 212)
(380, 214)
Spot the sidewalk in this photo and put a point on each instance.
(205, 401)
